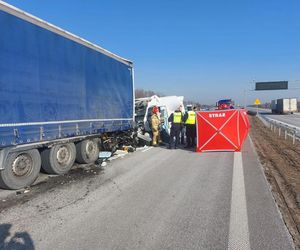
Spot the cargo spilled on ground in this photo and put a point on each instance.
(281, 163)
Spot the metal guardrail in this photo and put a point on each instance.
(282, 128)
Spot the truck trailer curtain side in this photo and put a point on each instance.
(55, 85)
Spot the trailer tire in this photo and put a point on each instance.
(87, 151)
(58, 159)
(21, 169)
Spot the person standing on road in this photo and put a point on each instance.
(176, 119)
(190, 125)
(155, 123)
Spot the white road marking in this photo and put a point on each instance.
(238, 228)
(146, 149)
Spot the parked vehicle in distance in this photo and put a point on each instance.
(62, 98)
(225, 104)
(284, 106)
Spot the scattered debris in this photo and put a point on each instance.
(145, 139)
(118, 154)
(142, 148)
(129, 149)
(120, 140)
(22, 191)
(121, 152)
(105, 154)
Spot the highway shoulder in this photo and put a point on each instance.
(266, 227)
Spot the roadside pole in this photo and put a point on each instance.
(257, 102)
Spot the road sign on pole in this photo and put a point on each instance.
(257, 102)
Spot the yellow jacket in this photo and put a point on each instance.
(155, 122)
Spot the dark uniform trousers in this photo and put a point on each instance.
(191, 135)
(175, 132)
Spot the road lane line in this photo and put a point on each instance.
(238, 228)
(146, 149)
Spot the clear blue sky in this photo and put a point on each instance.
(204, 50)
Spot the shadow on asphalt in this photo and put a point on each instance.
(180, 147)
(20, 240)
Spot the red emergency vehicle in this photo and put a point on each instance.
(225, 104)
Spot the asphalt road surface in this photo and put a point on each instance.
(155, 199)
(291, 119)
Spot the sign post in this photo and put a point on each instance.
(257, 102)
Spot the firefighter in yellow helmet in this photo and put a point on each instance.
(176, 120)
(190, 124)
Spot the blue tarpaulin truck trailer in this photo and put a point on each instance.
(58, 95)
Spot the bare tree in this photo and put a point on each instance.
(139, 93)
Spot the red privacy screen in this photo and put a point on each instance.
(222, 130)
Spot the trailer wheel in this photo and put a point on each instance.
(21, 169)
(87, 151)
(58, 159)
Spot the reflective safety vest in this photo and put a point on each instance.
(177, 117)
(191, 119)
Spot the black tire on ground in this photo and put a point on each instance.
(58, 159)
(21, 169)
(87, 151)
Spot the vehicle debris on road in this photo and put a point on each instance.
(22, 191)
